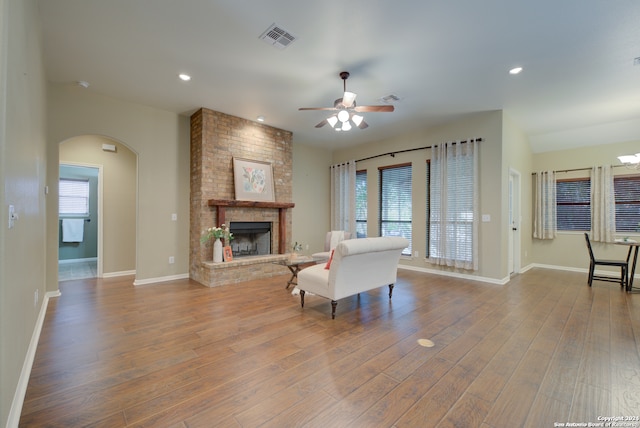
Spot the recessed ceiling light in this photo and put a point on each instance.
(260, 118)
(184, 77)
(516, 70)
(83, 83)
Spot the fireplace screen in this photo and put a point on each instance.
(250, 238)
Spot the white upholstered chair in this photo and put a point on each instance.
(331, 240)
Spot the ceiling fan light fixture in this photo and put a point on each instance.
(348, 99)
(346, 126)
(332, 120)
(343, 116)
(357, 119)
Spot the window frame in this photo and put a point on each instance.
(381, 201)
(82, 193)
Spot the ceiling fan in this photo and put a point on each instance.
(346, 110)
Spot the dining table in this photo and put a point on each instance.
(633, 250)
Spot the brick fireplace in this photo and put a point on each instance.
(216, 138)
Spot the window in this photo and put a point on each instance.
(395, 203)
(74, 197)
(452, 209)
(627, 191)
(361, 204)
(573, 201)
(428, 208)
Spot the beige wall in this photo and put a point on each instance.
(518, 158)
(486, 125)
(311, 215)
(118, 212)
(22, 180)
(161, 140)
(569, 250)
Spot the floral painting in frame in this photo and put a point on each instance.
(253, 180)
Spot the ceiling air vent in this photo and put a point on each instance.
(390, 99)
(277, 36)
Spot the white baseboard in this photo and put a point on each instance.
(160, 279)
(456, 275)
(117, 274)
(23, 381)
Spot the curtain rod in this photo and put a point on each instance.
(393, 154)
(578, 169)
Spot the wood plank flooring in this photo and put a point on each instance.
(543, 349)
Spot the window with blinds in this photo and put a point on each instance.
(456, 228)
(573, 198)
(627, 191)
(573, 204)
(74, 197)
(361, 204)
(395, 203)
(428, 209)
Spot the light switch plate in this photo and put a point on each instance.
(486, 218)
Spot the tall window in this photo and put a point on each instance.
(361, 204)
(74, 197)
(428, 209)
(395, 202)
(453, 205)
(573, 204)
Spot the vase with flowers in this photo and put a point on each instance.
(217, 234)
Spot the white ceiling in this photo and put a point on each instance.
(443, 58)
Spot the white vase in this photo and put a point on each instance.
(217, 251)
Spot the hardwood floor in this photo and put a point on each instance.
(544, 348)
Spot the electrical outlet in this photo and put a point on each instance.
(174, 217)
(416, 254)
(36, 298)
(172, 260)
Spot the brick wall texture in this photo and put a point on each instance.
(217, 138)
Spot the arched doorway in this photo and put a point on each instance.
(113, 207)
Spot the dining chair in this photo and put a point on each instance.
(622, 264)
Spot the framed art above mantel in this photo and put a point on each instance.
(253, 180)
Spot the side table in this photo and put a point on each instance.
(295, 265)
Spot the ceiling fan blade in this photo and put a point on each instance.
(321, 124)
(317, 108)
(348, 99)
(363, 125)
(366, 109)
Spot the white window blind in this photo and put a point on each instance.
(573, 201)
(395, 203)
(74, 197)
(627, 191)
(361, 204)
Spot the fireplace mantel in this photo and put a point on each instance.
(222, 204)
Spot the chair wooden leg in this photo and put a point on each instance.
(390, 290)
(333, 309)
(302, 298)
(591, 269)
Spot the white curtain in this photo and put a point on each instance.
(544, 220)
(603, 204)
(453, 230)
(343, 197)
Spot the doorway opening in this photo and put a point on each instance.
(109, 224)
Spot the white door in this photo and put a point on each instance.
(513, 256)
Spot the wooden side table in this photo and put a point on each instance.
(295, 265)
